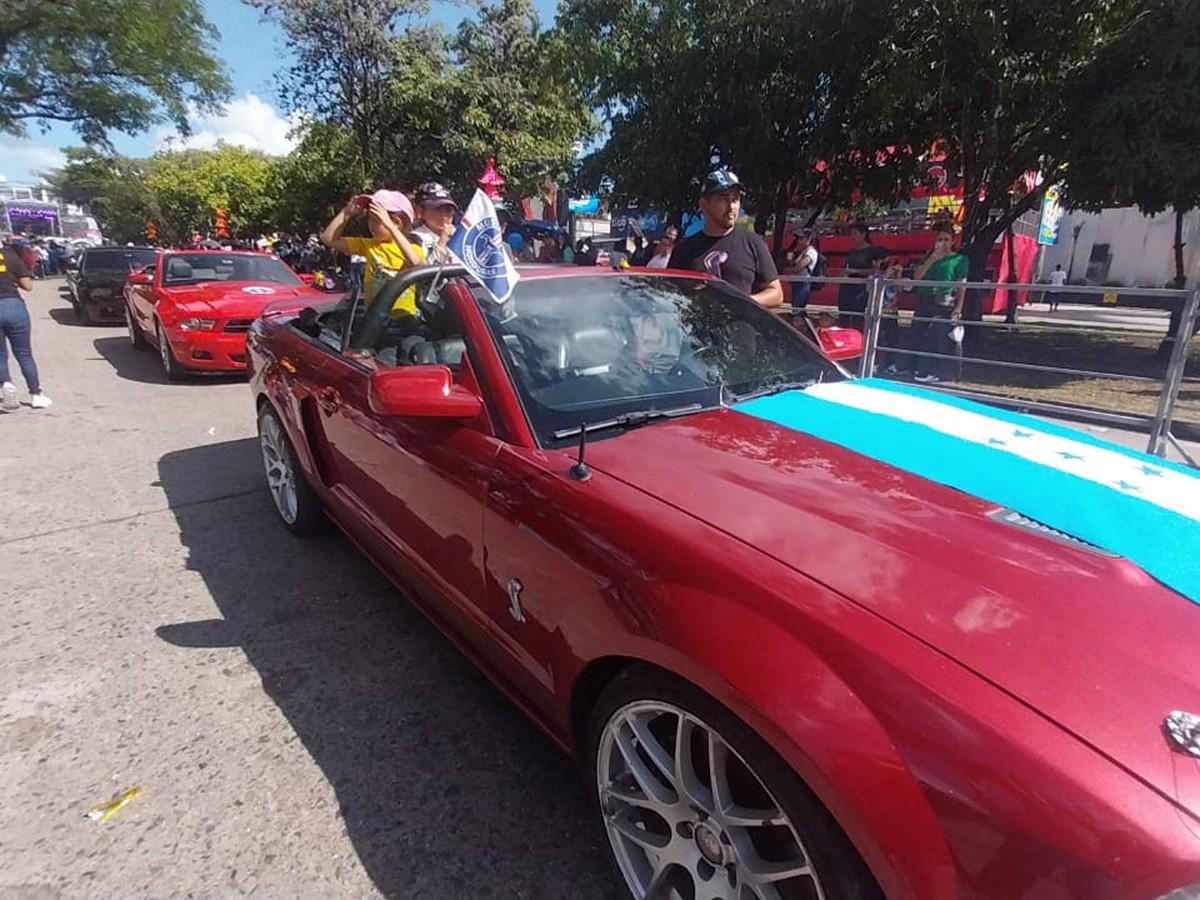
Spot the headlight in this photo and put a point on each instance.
(1187, 893)
(197, 324)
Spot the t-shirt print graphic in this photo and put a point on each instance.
(713, 260)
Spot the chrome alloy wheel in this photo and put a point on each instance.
(164, 351)
(688, 818)
(281, 476)
(131, 325)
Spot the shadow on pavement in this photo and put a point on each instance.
(144, 365)
(445, 789)
(67, 316)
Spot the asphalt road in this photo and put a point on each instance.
(296, 729)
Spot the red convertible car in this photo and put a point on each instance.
(196, 306)
(809, 636)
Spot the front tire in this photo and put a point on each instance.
(694, 801)
(297, 504)
(171, 366)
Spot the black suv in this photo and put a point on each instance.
(97, 282)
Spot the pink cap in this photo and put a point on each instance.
(394, 202)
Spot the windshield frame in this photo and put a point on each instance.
(296, 281)
(548, 428)
(128, 253)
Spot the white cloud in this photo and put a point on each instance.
(247, 122)
(22, 159)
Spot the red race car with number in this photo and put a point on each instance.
(196, 306)
(808, 635)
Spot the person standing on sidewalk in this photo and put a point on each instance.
(1057, 278)
(15, 327)
(938, 307)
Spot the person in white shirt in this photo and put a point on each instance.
(435, 210)
(1057, 278)
(805, 263)
(662, 250)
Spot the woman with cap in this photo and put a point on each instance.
(435, 209)
(387, 250)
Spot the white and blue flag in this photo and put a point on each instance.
(1141, 507)
(478, 243)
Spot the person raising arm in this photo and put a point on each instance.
(389, 248)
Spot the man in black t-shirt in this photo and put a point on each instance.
(735, 255)
(862, 260)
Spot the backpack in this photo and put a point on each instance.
(820, 269)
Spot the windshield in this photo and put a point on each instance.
(590, 349)
(118, 259)
(191, 268)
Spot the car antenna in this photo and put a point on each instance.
(581, 471)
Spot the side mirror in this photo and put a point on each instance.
(840, 343)
(139, 278)
(421, 391)
(306, 277)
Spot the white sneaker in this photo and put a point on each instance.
(8, 397)
(40, 401)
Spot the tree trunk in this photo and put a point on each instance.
(778, 224)
(1010, 296)
(1179, 282)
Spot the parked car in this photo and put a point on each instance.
(96, 279)
(788, 667)
(196, 306)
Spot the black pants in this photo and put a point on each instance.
(932, 337)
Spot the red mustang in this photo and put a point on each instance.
(809, 636)
(197, 305)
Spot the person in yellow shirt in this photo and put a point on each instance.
(387, 250)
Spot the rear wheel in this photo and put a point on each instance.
(136, 338)
(695, 805)
(296, 502)
(171, 366)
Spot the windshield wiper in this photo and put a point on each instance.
(632, 419)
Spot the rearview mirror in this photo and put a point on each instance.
(421, 391)
(840, 343)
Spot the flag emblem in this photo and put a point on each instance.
(479, 245)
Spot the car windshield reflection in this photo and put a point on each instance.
(591, 349)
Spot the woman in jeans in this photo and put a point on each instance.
(942, 304)
(14, 331)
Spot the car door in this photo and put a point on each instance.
(142, 297)
(414, 488)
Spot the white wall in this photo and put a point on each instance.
(1141, 247)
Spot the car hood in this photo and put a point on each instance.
(240, 299)
(1087, 638)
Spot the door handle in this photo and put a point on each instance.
(329, 400)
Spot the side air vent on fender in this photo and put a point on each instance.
(1017, 520)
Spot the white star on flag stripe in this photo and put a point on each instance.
(1161, 486)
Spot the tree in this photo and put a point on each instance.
(345, 55)
(313, 182)
(800, 104)
(1139, 124)
(114, 187)
(997, 80)
(191, 185)
(511, 103)
(106, 64)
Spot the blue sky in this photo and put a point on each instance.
(253, 53)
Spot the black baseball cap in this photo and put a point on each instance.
(721, 180)
(433, 194)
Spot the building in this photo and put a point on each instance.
(33, 209)
(1123, 248)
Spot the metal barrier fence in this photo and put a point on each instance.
(878, 309)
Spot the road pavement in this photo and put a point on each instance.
(296, 729)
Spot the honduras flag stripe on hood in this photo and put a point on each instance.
(478, 243)
(1128, 503)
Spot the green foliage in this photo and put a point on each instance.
(419, 104)
(796, 99)
(1137, 113)
(994, 80)
(191, 185)
(106, 64)
(114, 187)
(312, 182)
